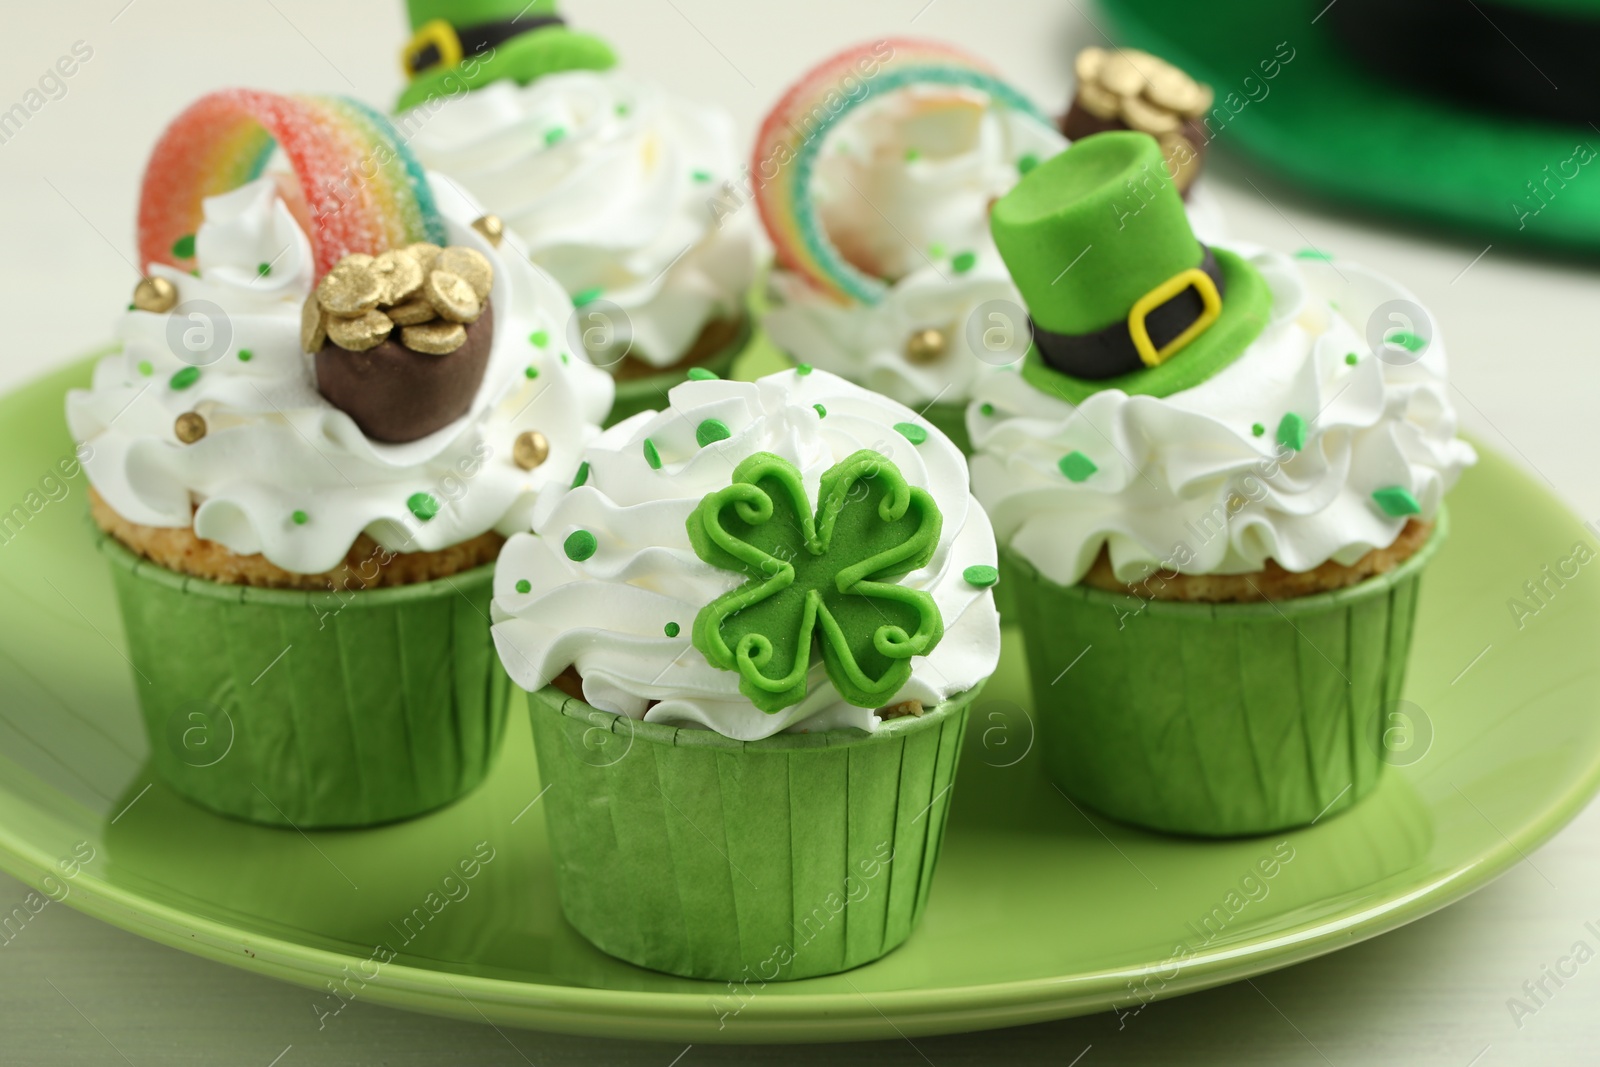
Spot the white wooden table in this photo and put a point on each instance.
(74, 991)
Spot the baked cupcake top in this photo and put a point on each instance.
(616, 188)
(1239, 411)
(210, 415)
(795, 553)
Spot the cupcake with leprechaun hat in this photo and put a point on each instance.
(1215, 503)
(758, 619)
(615, 187)
(874, 174)
(334, 396)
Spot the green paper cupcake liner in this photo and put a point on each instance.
(951, 419)
(312, 709)
(650, 393)
(798, 855)
(1216, 719)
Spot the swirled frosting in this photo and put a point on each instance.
(623, 617)
(612, 185)
(1198, 481)
(904, 188)
(276, 452)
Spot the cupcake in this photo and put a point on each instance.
(617, 189)
(1216, 500)
(334, 396)
(751, 634)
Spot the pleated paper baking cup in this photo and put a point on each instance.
(649, 393)
(1216, 719)
(313, 709)
(685, 851)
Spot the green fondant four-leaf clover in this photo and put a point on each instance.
(828, 579)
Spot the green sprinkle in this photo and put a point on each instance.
(300, 518)
(580, 545)
(981, 576)
(185, 378)
(712, 430)
(936, 251)
(531, 371)
(1407, 340)
(423, 505)
(1292, 432)
(912, 432)
(539, 338)
(183, 247)
(622, 109)
(1352, 359)
(145, 368)
(701, 176)
(554, 135)
(1396, 501)
(263, 269)
(524, 586)
(987, 409)
(584, 297)
(1258, 429)
(700, 374)
(246, 355)
(671, 629)
(1314, 253)
(565, 359)
(582, 475)
(912, 155)
(1077, 466)
(651, 456)
(1027, 163)
(133, 307)
(963, 262)
(802, 369)
(822, 412)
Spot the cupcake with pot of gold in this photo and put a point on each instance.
(1215, 502)
(337, 390)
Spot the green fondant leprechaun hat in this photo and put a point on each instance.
(1120, 293)
(459, 45)
(1477, 116)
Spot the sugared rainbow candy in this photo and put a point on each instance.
(363, 189)
(794, 132)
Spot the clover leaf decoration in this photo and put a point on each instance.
(829, 580)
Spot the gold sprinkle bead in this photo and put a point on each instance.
(155, 295)
(360, 333)
(351, 288)
(470, 264)
(190, 427)
(452, 296)
(926, 346)
(492, 228)
(413, 312)
(531, 449)
(313, 325)
(434, 338)
(400, 274)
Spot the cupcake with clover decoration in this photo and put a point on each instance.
(874, 174)
(617, 189)
(1214, 503)
(759, 619)
(334, 398)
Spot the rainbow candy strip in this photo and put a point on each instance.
(793, 134)
(363, 189)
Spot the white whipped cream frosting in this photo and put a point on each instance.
(609, 616)
(906, 219)
(275, 446)
(611, 185)
(1184, 482)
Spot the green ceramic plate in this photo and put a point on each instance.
(1039, 911)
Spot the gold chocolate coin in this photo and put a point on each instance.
(1098, 101)
(530, 449)
(400, 275)
(1145, 117)
(360, 333)
(1121, 72)
(313, 325)
(434, 338)
(413, 312)
(425, 255)
(156, 295)
(190, 427)
(452, 296)
(470, 264)
(492, 229)
(351, 288)
(1088, 63)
